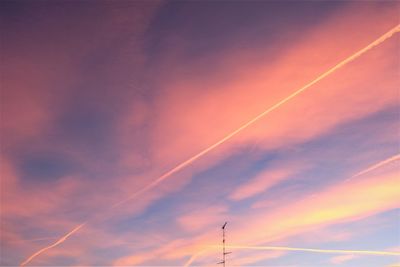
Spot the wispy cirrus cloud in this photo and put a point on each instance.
(263, 182)
(124, 95)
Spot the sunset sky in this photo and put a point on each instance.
(125, 134)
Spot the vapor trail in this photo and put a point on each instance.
(379, 164)
(378, 41)
(365, 252)
(329, 251)
(263, 114)
(62, 239)
(194, 256)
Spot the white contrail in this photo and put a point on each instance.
(52, 245)
(378, 41)
(314, 250)
(263, 114)
(377, 165)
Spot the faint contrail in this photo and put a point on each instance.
(329, 251)
(375, 166)
(194, 256)
(365, 252)
(341, 251)
(53, 245)
(229, 136)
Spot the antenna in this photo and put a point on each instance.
(223, 246)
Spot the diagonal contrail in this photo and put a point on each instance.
(52, 245)
(377, 165)
(194, 257)
(263, 114)
(314, 250)
(187, 162)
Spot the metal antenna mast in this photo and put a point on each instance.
(223, 246)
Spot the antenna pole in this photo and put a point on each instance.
(223, 245)
(224, 253)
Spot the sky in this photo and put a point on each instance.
(132, 130)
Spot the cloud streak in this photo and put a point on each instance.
(311, 250)
(192, 159)
(232, 134)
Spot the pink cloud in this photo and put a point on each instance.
(342, 258)
(263, 182)
(189, 113)
(359, 199)
(192, 112)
